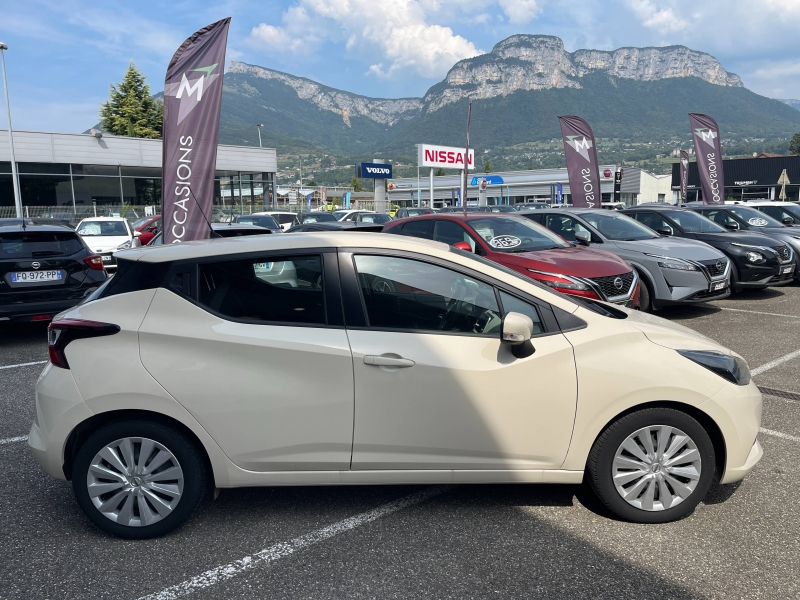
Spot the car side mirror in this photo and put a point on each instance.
(664, 230)
(583, 237)
(463, 246)
(516, 333)
(787, 221)
(137, 234)
(732, 226)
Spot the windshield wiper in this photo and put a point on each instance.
(46, 253)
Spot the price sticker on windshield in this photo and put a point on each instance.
(503, 242)
(758, 222)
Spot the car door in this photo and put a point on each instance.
(255, 349)
(434, 387)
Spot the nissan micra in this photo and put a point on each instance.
(381, 360)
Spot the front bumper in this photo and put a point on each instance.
(733, 474)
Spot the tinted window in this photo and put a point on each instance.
(32, 244)
(566, 227)
(282, 290)
(283, 219)
(694, 223)
(422, 229)
(374, 218)
(513, 304)
(618, 227)
(401, 293)
(102, 228)
(234, 231)
(450, 232)
(754, 217)
(513, 234)
(260, 220)
(720, 217)
(317, 217)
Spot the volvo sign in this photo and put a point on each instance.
(373, 171)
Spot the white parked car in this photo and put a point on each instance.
(393, 360)
(349, 215)
(285, 219)
(107, 235)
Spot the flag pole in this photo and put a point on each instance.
(466, 163)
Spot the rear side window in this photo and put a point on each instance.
(420, 229)
(34, 244)
(271, 290)
(132, 276)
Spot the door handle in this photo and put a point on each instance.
(388, 361)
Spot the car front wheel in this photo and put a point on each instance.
(652, 466)
(138, 479)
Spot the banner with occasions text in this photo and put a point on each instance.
(582, 168)
(707, 149)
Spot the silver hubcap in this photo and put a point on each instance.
(135, 481)
(656, 468)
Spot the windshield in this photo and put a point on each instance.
(378, 218)
(338, 214)
(103, 228)
(754, 217)
(792, 209)
(501, 208)
(32, 244)
(692, 222)
(261, 221)
(318, 217)
(618, 227)
(515, 234)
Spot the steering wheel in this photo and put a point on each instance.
(450, 315)
(379, 284)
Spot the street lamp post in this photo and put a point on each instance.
(259, 126)
(14, 176)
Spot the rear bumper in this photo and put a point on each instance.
(28, 310)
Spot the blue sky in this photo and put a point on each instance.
(64, 53)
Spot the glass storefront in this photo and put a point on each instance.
(81, 188)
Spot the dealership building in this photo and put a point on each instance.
(754, 178)
(66, 174)
(513, 187)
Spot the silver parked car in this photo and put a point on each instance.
(674, 271)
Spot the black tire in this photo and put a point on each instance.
(645, 302)
(735, 287)
(190, 458)
(601, 459)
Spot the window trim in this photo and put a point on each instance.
(331, 289)
(356, 311)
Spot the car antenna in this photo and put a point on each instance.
(200, 208)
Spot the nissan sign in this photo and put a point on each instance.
(443, 157)
(373, 171)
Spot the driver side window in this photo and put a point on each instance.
(406, 294)
(652, 220)
(566, 227)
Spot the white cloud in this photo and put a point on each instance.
(520, 12)
(661, 19)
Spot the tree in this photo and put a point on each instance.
(131, 110)
(794, 145)
(312, 183)
(439, 172)
(487, 166)
(356, 184)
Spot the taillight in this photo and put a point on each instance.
(95, 261)
(60, 333)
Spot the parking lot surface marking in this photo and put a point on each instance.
(758, 312)
(774, 363)
(784, 436)
(11, 440)
(273, 553)
(27, 364)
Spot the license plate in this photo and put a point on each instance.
(36, 276)
(788, 269)
(106, 259)
(720, 285)
(265, 266)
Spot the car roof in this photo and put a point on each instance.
(218, 226)
(568, 210)
(34, 227)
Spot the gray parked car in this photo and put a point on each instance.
(673, 271)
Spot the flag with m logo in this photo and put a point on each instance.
(581, 154)
(192, 102)
(707, 149)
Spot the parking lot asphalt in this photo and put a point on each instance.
(492, 541)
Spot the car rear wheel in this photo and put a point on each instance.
(652, 466)
(138, 479)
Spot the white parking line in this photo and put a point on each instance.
(29, 364)
(20, 438)
(784, 436)
(774, 363)
(273, 553)
(758, 312)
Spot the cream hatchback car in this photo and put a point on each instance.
(386, 360)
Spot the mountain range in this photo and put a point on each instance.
(517, 89)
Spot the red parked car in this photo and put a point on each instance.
(148, 227)
(530, 249)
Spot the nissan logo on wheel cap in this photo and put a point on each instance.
(618, 283)
(35, 265)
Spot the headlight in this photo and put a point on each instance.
(755, 257)
(124, 245)
(732, 368)
(666, 262)
(559, 282)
